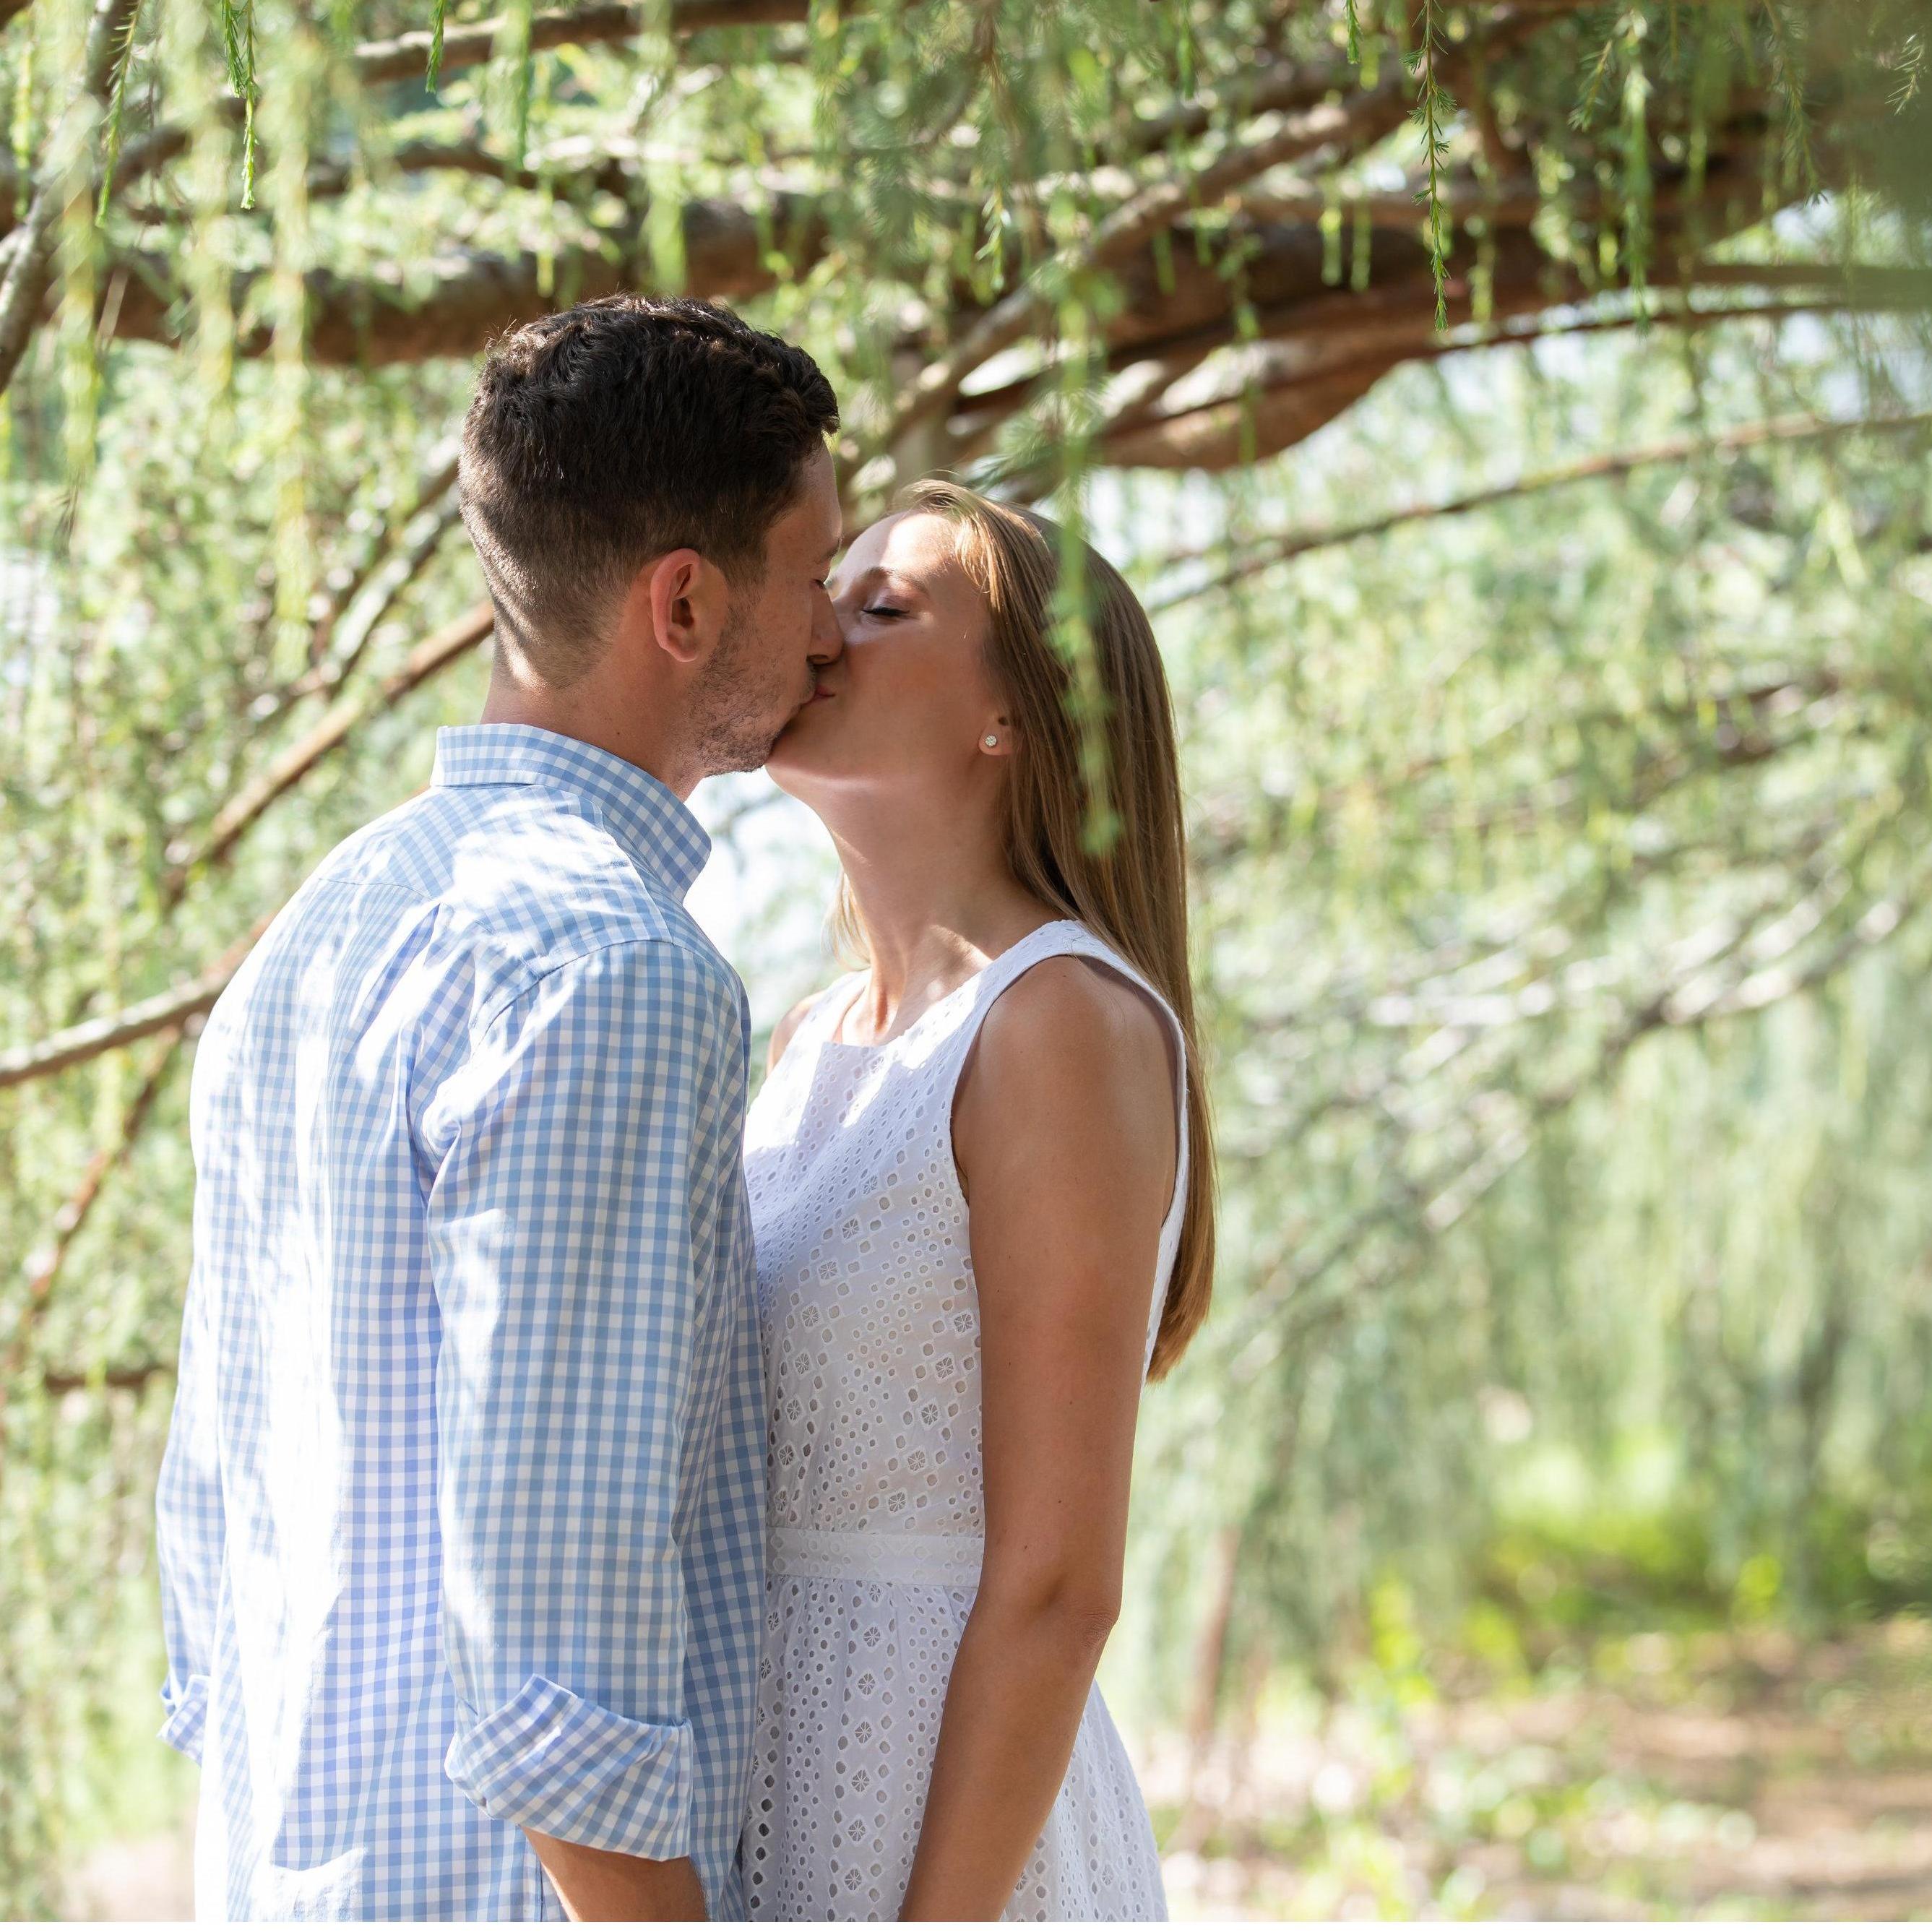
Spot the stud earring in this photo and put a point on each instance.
(991, 739)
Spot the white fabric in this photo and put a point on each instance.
(869, 1320)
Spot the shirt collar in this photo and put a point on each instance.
(649, 820)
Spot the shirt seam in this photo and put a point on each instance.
(591, 952)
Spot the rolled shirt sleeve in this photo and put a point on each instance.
(561, 1218)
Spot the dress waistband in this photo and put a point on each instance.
(877, 1556)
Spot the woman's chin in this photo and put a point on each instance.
(795, 754)
(807, 760)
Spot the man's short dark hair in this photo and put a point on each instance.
(605, 435)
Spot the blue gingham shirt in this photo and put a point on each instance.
(461, 1516)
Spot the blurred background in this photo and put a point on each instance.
(1517, 416)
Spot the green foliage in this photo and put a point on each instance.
(1572, 1084)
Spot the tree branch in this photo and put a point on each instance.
(1446, 1197)
(1308, 369)
(136, 1375)
(452, 304)
(91, 1038)
(435, 654)
(44, 1264)
(74, 1044)
(1674, 449)
(358, 599)
(29, 270)
(1335, 129)
(406, 57)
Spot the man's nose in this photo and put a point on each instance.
(828, 641)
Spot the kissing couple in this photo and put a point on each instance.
(584, 1500)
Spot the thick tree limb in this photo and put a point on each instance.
(452, 304)
(1318, 356)
(406, 57)
(1177, 307)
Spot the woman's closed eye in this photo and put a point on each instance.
(881, 610)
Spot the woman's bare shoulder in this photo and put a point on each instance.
(781, 1033)
(1069, 1037)
(1077, 1014)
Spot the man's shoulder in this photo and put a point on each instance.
(536, 882)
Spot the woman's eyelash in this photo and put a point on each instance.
(882, 610)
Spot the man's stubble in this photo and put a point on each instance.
(737, 719)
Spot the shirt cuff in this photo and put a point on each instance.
(563, 1765)
(187, 1706)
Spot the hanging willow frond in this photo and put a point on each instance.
(116, 112)
(1911, 65)
(433, 76)
(238, 46)
(1434, 110)
(1788, 77)
(519, 63)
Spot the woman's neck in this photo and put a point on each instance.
(932, 913)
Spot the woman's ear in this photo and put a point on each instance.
(996, 740)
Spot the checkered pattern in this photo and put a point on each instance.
(462, 1513)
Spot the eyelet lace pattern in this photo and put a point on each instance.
(870, 1323)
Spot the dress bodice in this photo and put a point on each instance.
(868, 1306)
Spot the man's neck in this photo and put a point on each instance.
(593, 715)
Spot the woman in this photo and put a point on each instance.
(981, 1185)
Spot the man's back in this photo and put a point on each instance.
(462, 1511)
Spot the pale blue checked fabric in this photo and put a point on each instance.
(462, 1511)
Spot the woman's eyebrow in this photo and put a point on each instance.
(878, 573)
(900, 580)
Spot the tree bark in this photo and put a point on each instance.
(406, 57)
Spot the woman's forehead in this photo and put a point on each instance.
(914, 541)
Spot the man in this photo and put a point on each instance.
(462, 1512)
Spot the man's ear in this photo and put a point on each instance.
(685, 599)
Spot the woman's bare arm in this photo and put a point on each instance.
(1064, 1129)
(595, 1884)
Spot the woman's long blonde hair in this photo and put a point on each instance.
(1129, 887)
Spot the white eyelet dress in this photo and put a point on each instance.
(871, 1328)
